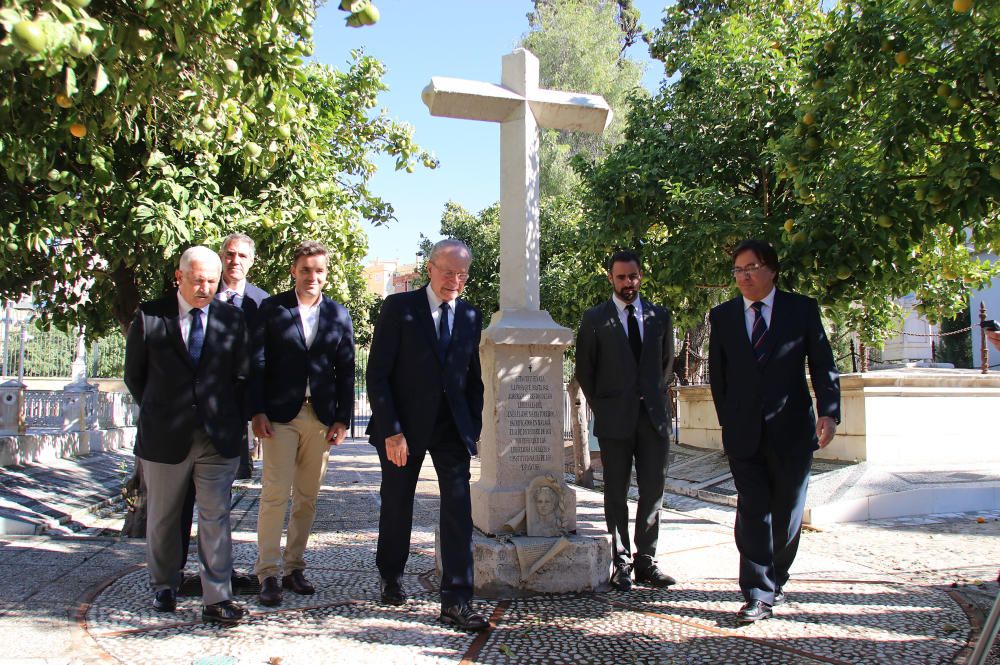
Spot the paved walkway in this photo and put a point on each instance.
(908, 591)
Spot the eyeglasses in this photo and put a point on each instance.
(451, 274)
(749, 270)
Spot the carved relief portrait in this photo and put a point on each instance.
(546, 507)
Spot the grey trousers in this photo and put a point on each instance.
(166, 487)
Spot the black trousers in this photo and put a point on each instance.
(451, 462)
(772, 499)
(648, 448)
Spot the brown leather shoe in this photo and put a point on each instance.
(270, 592)
(297, 582)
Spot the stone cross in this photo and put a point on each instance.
(521, 107)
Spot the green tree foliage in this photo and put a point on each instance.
(896, 153)
(744, 143)
(129, 131)
(580, 47)
(693, 175)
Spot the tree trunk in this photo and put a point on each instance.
(134, 491)
(692, 356)
(578, 424)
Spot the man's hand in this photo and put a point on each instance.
(336, 434)
(826, 427)
(994, 338)
(396, 449)
(262, 426)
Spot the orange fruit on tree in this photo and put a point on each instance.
(78, 130)
(962, 6)
(63, 101)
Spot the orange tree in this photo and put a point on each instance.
(749, 140)
(895, 153)
(694, 175)
(132, 129)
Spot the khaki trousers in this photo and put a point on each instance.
(295, 460)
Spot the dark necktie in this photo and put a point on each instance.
(235, 299)
(759, 331)
(444, 332)
(196, 336)
(634, 338)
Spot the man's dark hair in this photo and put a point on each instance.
(309, 248)
(763, 251)
(625, 256)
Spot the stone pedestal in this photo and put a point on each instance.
(522, 441)
(522, 438)
(581, 565)
(11, 407)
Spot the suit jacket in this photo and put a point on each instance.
(174, 395)
(609, 376)
(770, 401)
(281, 362)
(253, 296)
(407, 379)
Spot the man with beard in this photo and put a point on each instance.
(624, 354)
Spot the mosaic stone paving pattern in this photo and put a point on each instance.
(825, 621)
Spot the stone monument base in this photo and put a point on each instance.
(560, 564)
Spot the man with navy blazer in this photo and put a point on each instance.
(426, 392)
(759, 344)
(303, 400)
(624, 360)
(186, 362)
(237, 254)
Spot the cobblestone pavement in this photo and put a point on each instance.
(909, 590)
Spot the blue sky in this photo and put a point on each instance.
(418, 40)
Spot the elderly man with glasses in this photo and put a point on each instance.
(758, 348)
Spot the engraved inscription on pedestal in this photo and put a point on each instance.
(529, 419)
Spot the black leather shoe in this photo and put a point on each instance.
(243, 584)
(755, 610)
(270, 592)
(463, 617)
(653, 576)
(227, 612)
(165, 600)
(190, 586)
(392, 592)
(297, 582)
(779, 597)
(621, 579)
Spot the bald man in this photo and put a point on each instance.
(186, 361)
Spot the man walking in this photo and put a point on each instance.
(758, 348)
(624, 355)
(186, 362)
(303, 400)
(426, 392)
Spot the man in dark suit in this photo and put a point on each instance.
(303, 400)
(758, 348)
(186, 362)
(426, 392)
(237, 254)
(624, 355)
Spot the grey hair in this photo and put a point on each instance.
(238, 237)
(199, 253)
(448, 243)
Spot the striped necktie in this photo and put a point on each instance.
(759, 331)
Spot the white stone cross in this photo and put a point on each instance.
(521, 107)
